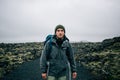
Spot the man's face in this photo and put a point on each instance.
(60, 33)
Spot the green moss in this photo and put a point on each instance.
(2, 72)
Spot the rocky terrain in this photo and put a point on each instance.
(101, 59)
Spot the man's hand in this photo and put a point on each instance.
(74, 75)
(44, 75)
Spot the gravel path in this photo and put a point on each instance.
(31, 71)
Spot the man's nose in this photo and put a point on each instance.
(60, 32)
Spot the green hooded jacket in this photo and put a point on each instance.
(57, 63)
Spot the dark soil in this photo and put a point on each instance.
(31, 71)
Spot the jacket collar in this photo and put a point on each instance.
(66, 40)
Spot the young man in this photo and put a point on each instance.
(60, 55)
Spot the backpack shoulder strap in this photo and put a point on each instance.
(50, 48)
(50, 45)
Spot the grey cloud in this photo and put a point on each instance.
(28, 20)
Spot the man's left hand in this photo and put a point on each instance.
(74, 75)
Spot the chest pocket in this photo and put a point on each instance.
(54, 52)
(64, 47)
(64, 51)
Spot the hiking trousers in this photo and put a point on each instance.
(60, 78)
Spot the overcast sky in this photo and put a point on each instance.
(84, 20)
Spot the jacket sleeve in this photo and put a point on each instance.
(43, 59)
(71, 59)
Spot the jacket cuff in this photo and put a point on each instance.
(74, 70)
(43, 71)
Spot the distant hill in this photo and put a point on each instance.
(88, 47)
(111, 44)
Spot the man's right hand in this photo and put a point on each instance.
(44, 75)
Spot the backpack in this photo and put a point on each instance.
(49, 37)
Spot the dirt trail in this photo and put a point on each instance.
(30, 71)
